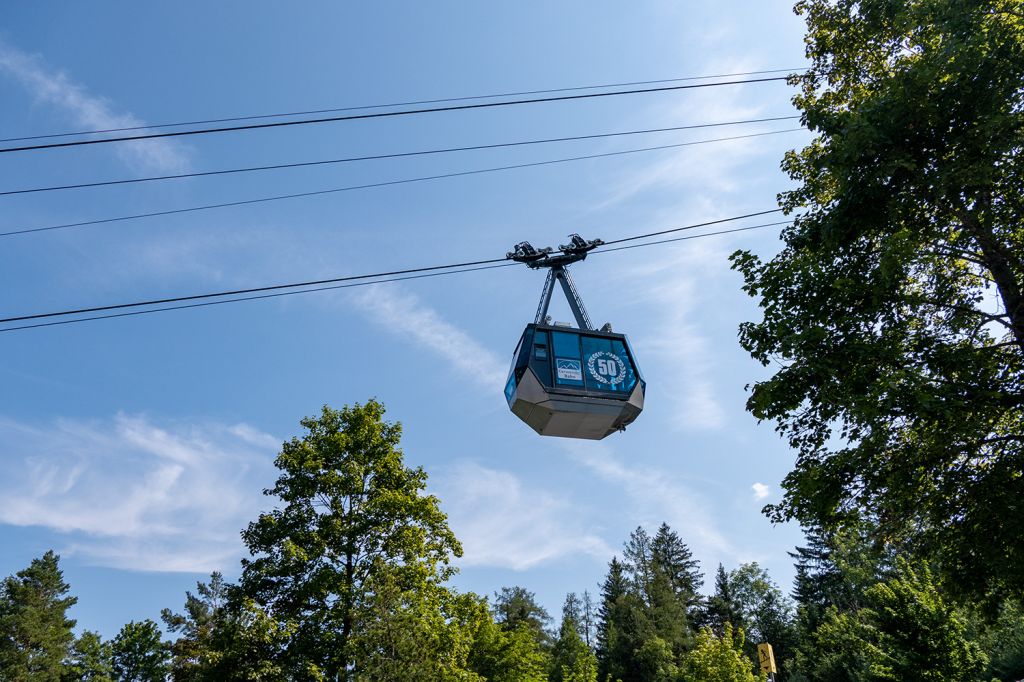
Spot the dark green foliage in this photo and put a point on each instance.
(894, 314)
(139, 654)
(834, 570)
(672, 557)
(766, 614)
(516, 607)
(205, 618)
(350, 513)
(649, 605)
(224, 636)
(722, 605)
(1004, 643)
(90, 660)
(622, 627)
(571, 658)
(35, 633)
(502, 655)
(907, 631)
(609, 633)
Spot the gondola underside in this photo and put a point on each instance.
(556, 413)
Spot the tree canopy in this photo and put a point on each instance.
(894, 313)
(35, 632)
(354, 528)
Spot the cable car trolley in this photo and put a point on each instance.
(571, 382)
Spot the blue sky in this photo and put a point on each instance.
(137, 447)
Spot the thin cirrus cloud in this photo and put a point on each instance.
(504, 523)
(86, 110)
(677, 346)
(682, 282)
(657, 497)
(406, 315)
(129, 493)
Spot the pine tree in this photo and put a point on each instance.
(638, 562)
(35, 632)
(516, 607)
(572, 609)
(588, 620)
(674, 562)
(608, 630)
(622, 627)
(571, 658)
(820, 582)
(202, 629)
(671, 555)
(722, 605)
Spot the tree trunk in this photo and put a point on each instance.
(998, 261)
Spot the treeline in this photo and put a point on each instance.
(348, 579)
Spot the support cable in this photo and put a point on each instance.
(311, 112)
(387, 183)
(381, 114)
(355, 284)
(398, 155)
(333, 280)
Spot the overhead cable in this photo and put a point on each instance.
(465, 98)
(385, 183)
(375, 157)
(250, 298)
(382, 114)
(358, 284)
(335, 280)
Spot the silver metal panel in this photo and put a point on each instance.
(553, 414)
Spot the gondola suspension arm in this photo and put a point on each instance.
(557, 264)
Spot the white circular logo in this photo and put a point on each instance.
(606, 367)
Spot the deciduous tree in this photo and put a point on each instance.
(139, 653)
(894, 313)
(718, 658)
(351, 515)
(89, 661)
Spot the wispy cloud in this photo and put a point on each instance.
(712, 168)
(129, 493)
(761, 490)
(688, 186)
(676, 300)
(504, 523)
(406, 315)
(55, 88)
(656, 496)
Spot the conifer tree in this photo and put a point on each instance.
(638, 562)
(571, 658)
(609, 634)
(722, 605)
(673, 558)
(623, 627)
(588, 621)
(516, 607)
(35, 632)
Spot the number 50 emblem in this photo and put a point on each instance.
(606, 367)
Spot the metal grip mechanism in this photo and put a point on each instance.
(576, 250)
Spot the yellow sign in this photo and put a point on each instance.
(766, 657)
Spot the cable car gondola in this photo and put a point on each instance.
(565, 381)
